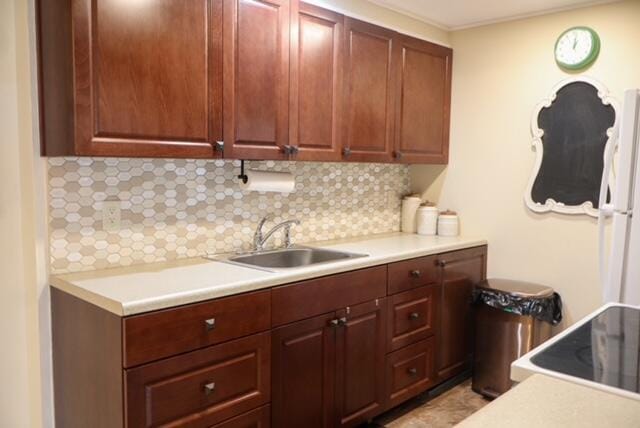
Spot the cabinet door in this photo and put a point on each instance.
(360, 365)
(461, 271)
(316, 82)
(256, 78)
(369, 92)
(147, 77)
(424, 88)
(303, 373)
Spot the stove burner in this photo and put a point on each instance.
(606, 350)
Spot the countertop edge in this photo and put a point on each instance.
(232, 288)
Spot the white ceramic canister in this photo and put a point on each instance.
(427, 219)
(448, 223)
(410, 205)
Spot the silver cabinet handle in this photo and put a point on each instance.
(414, 315)
(209, 387)
(342, 321)
(412, 371)
(210, 324)
(416, 273)
(334, 322)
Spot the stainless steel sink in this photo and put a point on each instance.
(293, 257)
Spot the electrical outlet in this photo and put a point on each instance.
(111, 216)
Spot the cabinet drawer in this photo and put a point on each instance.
(161, 334)
(256, 418)
(410, 371)
(411, 316)
(319, 296)
(200, 388)
(412, 273)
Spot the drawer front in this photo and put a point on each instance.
(200, 388)
(412, 273)
(318, 296)
(410, 371)
(411, 316)
(156, 335)
(257, 418)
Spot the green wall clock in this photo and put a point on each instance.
(577, 48)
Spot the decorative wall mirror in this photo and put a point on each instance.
(572, 131)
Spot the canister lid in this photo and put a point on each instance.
(517, 288)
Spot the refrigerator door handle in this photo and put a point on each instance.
(605, 209)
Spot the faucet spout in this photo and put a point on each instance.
(259, 238)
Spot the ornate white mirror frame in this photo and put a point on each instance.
(537, 133)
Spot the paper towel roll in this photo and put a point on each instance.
(267, 181)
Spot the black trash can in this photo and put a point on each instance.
(512, 317)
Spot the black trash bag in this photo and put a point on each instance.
(547, 309)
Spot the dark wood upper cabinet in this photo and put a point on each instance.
(461, 272)
(120, 78)
(272, 79)
(316, 83)
(369, 92)
(424, 101)
(256, 78)
(360, 362)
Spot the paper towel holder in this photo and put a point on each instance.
(242, 175)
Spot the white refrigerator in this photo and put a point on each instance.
(620, 260)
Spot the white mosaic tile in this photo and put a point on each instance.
(185, 208)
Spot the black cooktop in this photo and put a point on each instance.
(605, 350)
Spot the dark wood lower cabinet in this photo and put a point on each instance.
(303, 366)
(361, 342)
(329, 352)
(461, 271)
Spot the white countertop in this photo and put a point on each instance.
(542, 401)
(142, 288)
(522, 368)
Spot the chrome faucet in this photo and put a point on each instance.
(260, 238)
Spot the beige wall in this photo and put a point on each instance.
(22, 239)
(500, 72)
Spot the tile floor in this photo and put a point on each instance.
(443, 411)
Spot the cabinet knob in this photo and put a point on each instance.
(346, 152)
(210, 324)
(209, 387)
(294, 150)
(342, 321)
(286, 149)
(412, 371)
(414, 316)
(333, 323)
(397, 155)
(219, 146)
(441, 263)
(416, 273)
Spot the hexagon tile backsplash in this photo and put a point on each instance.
(185, 208)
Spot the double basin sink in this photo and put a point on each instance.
(288, 258)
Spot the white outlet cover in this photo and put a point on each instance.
(111, 216)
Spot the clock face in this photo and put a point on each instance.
(577, 47)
